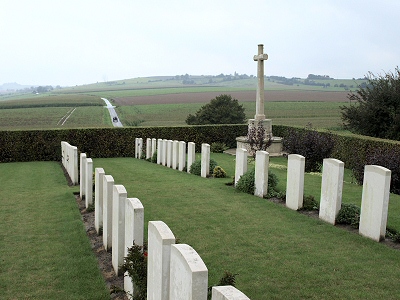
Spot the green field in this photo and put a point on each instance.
(44, 111)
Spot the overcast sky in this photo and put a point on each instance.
(73, 42)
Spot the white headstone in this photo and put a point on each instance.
(241, 163)
(118, 227)
(136, 147)
(148, 148)
(331, 189)
(89, 182)
(63, 153)
(159, 151)
(98, 198)
(182, 156)
(295, 181)
(261, 174)
(375, 202)
(74, 165)
(188, 274)
(205, 160)
(108, 189)
(227, 292)
(160, 239)
(164, 152)
(82, 184)
(140, 148)
(175, 154)
(191, 155)
(153, 147)
(134, 231)
(169, 153)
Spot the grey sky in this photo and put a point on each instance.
(69, 42)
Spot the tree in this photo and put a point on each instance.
(376, 111)
(221, 110)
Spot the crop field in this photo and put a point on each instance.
(54, 117)
(158, 101)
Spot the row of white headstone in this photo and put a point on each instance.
(69, 159)
(172, 153)
(175, 271)
(375, 194)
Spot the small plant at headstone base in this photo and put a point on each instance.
(246, 184)
(219, 172)
(135, 263)
(154, 157)
(195, 168)
(309, 203)
(258, 140)
(227, 279)
(313, 145)
(90, 207)
(393, 234)
(143, 156)
(218, 147)
(349, 214)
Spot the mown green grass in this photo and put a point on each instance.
(278, 253)
(44, 250)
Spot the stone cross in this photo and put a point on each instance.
(260, 57)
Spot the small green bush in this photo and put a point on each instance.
(393, 234)
(219, 172)
(195, 168)
(349, 214)
(154, 157)
(218, 147)
(135, 263)
(309, 203)
(246, 184)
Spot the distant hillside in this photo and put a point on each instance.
(13, 86)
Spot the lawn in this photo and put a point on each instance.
(44, 250)
(278, 253)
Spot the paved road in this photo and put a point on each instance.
(113, 113)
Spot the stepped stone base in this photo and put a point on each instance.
(274, 150)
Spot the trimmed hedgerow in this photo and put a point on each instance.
(311, 144)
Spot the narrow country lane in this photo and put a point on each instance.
(113, 114)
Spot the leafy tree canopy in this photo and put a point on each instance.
(221, 110)
(375, 110)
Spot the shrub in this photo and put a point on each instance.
(349, 214)
(246, 183)
(311, 144)
(393, 234)
(195, 168)
(309, 203)
(258, 140)
(218, 147)
(135, 263)
(227, 279)
(154, 157)
(219, 172)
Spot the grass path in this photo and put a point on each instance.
(44, 250)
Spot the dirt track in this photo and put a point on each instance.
(244, 96)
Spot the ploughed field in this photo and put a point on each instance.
(242, 96)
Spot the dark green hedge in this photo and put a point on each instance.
(42, 145)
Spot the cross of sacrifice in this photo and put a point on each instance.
(260, 57)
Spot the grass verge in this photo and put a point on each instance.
(44, 250)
